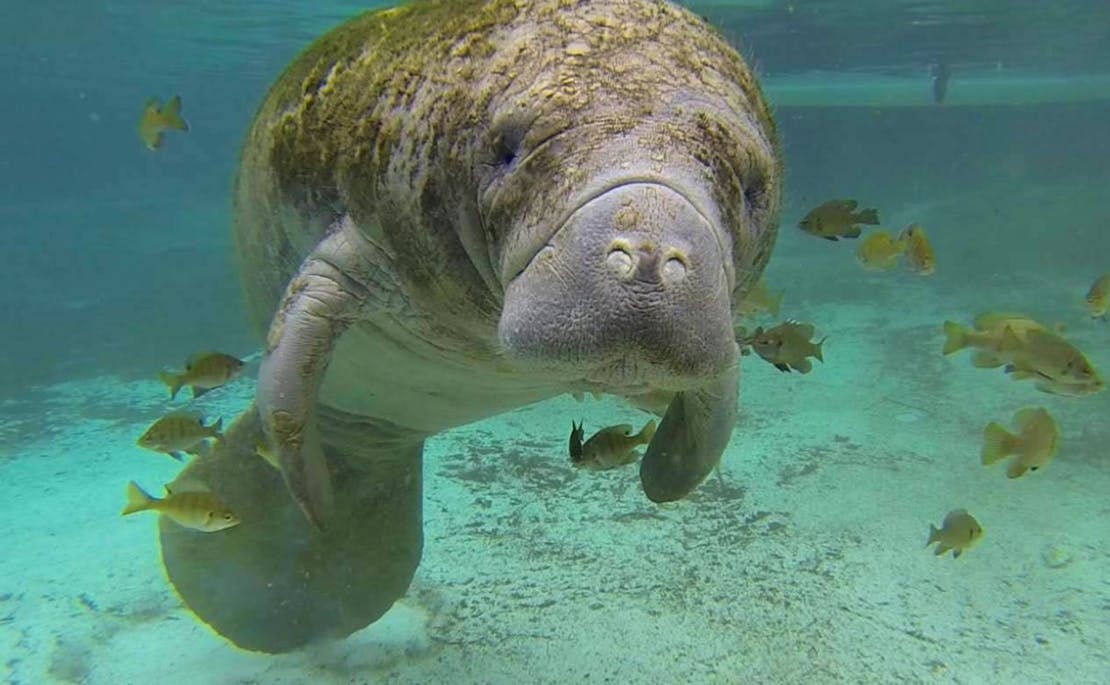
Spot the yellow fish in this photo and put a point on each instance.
(959, 532)
(179, 432)
(1057, 366)
(837, 219)
(1098, 297)
(760, 299)
(787, 346)
(609, 447)
(204, 371)
(880, 251)
(919, 251)
(1033, 446)
(157, 118)
(199, 510)
(987, 337)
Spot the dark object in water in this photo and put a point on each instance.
(941, 73)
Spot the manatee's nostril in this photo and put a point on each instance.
(620, 258)
(674, 269)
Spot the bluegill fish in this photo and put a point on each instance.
(157, 118)
(880, 251)
(987, 337)
(920, 256)
(760, 299)
(1057, 366)
(1098, 297)
(1032, 447)
(197, 509)
(204, 371)
(959, 532)
(609, 447)
(837, 219)
(179, 432)
(787, 346)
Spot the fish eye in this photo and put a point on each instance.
(1033, 468)
(228, 516)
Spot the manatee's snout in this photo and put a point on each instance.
(632, 290)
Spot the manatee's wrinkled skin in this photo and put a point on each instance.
(451, 210)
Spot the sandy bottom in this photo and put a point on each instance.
(804, 562)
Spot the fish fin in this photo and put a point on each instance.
(869, 217)
(177, 455)
(775, 303)
(818, 355)
(1009, 341)
(956, 553)
(631, 457)
(200, 449)
(955, 337)
(941, 549)
(853, 232)
(830, 237)
(934, 534)
(171, 114)
(137, 500)
(1016, 470)
(998, 443)
(199, 391)
(785, 368)
(647, 432)
(804, 366)
(173, 380)
(578, 396)
(986, 360)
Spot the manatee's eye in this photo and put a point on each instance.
(507, 138)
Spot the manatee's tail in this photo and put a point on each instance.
(955, 337)
(869, 217)
(171, 114)
(172, 380)
(998, 443)
(137, 500)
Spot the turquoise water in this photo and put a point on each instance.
(802, 561)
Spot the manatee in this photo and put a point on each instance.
(449, 210)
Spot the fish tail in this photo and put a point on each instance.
(955, 337)
(172, 380)
(998, 443)
(869, 217)
(171, 114)
(934, 534)
(774, 303)
(137, 500)
(647, 432)
(817, 354)
(217, 429)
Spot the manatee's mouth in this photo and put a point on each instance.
(630, 294)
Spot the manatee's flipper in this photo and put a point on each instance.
(690, 439)
(335, 284)
(274, 582)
